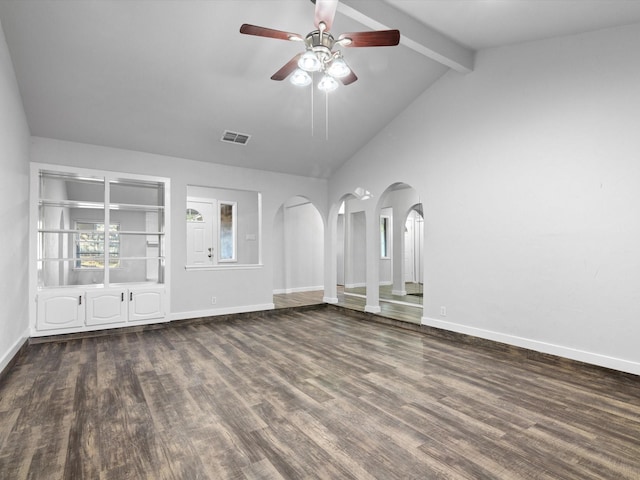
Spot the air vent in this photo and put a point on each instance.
(235, 137)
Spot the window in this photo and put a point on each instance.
(384, 237)
(227, 231)
(223, 228)
(90, 245)
(194, 215)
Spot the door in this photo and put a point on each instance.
(60, 309)
(200, 232)
(106, 307)
(146, 304)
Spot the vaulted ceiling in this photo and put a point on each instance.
(169, 77)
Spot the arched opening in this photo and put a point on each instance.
(298, 254)
(413, 255)
(400, 281)
(351, 252)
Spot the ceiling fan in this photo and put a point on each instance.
(320, 53)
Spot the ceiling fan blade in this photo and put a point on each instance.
(287, 69)
(325, 12)
(349, 79)
(376, 38)
(269, 32)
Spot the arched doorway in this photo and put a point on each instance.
(401, 252)
(351, 256)
(298, 253)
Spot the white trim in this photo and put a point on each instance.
(280, 291)
(355, 285)
(538, 346)
(220, 311)
(400, 302)
(401, 293)
(13, 350)
(359, 295)
(224, 267)
(372, 308)
(331, 300)
(93, 328)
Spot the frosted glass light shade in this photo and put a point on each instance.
(338, 68)
(300, 78)
(327, 84)
(309, 62)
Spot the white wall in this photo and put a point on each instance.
(355, 259)
(191, 291)
(14, 211)
(301, 233)
(529, 173)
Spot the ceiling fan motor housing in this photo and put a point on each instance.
(321, 43)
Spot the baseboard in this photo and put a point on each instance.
(372, 308)
(359, 295)
(331, 300)
(214, 312)
(355, 285)
(401, 293)
(535, 345)
(280, 291)
(12, 353)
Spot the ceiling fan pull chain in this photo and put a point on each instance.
(326, 115)
(312, 94)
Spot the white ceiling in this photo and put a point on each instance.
(480, 24)
(169, 77)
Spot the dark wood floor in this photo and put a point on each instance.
(310, 394)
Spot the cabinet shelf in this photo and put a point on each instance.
(136, 207)
(47, 202)
(139, 232)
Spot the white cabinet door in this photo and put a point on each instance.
(106, 307)
(60, 309)
(146, 304)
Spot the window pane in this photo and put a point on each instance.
(90, 245)
(227, 232)
(194, 215)
(384, 236)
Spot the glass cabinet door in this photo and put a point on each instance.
(71, 242)
(136, 217)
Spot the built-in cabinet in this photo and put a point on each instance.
(75, 308)
(99, 249)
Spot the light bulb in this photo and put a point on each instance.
(327, 84)
(309, 62)
(338, 68)
(300, 78)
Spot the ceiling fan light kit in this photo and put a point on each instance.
(327, 84)
(300, 78)
(319, 55)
